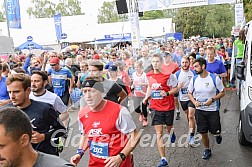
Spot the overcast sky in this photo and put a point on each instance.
(89, 7)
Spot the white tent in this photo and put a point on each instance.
(81, 29)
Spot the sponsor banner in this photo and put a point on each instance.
(126, 35)
(58, 27)
(239, 14)
(236, 30)
(171, 4)
(135, 32)
(13, 13)
(146, 5)
(214, 2)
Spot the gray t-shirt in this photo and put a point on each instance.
(52, 99)
(46, 160)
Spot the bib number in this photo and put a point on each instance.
(99, 149)
(202, 103)
(184, 90)
(138, 88)
(156, 94)
(57, 84)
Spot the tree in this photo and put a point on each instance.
(219, 20)
(247, 9)
(208, 20)
(154, 14)
(2, 16)
(108, 13)
(47, 9)
(73, 8)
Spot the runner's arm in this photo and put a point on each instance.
(133, 139)
(71, 84)
(147, 96)
(50, 80)
(83, 145)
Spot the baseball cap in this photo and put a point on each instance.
(96, 57)
(112, 67)
(54, 60)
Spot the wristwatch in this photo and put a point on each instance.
(213, 100)
(80, 152)
(122, 156)
(167, 93)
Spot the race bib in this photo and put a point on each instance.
(99, 149)
(57, 84)
(202, 103)
(138, 88)
(184, 90)
(156, 94)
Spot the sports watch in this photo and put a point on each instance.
(213, 100)
(122, 156)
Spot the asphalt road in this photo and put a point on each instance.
(228, 154)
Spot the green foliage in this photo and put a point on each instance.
(2, 17)
(155, 14)
(211, 20)
(47, 9)
(2, 14)
(247, 9)
(108, 13)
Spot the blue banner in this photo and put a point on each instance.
(58, 28)
(13, 13)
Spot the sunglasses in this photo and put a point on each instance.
(53, 65)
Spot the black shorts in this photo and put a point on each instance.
(184, 105)
(208, 121)
(227, 66)
(190, 104)
(162, 117)
(65, 97)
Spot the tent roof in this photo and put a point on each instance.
(81, 29)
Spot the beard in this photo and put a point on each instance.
(199, 72)
(185, 67)
(36, 89)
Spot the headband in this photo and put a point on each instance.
(93, 84)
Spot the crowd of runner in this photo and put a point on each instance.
(164, 81)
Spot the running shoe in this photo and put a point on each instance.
(218, 139)
(173, 137)
(227, 85)
(192, 142)
(141, 117)
(163, 163)
(232, 85)
(206, 154)
(60, 145)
